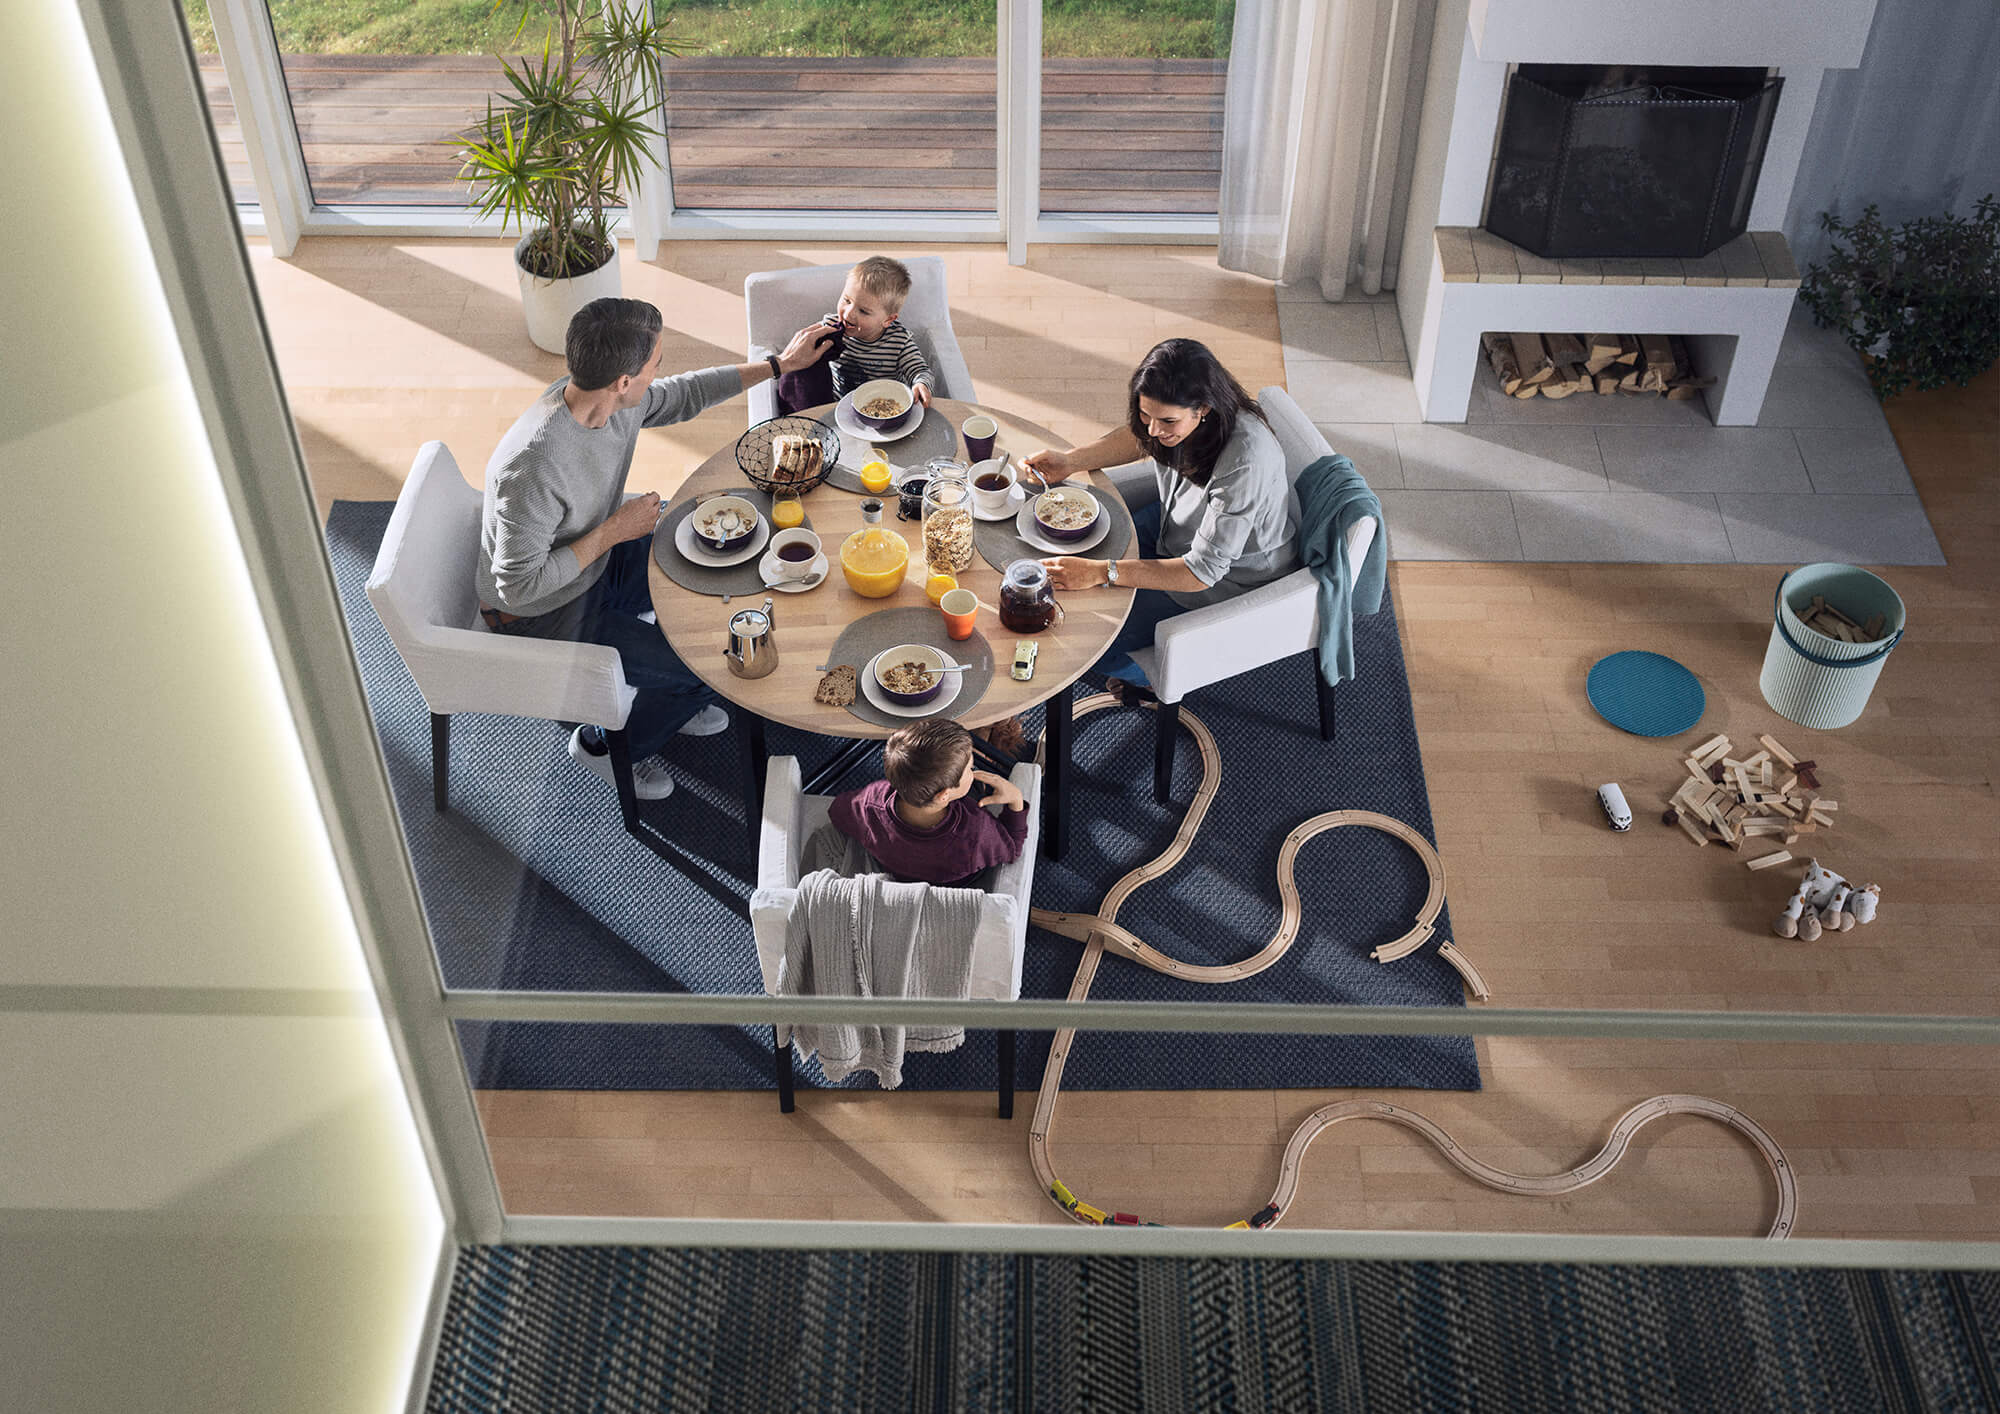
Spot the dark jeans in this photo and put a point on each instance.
(1150, 607)
(608, 613)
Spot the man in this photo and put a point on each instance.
(563, 554)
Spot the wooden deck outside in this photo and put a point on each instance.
(1118, 135)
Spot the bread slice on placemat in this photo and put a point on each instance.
(836, 689)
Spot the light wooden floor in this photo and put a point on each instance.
(386, 343)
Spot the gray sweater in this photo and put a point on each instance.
(1241, 529)
(552, 479)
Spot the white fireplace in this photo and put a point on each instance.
(1734, 320)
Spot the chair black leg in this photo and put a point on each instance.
(621, 773)
(756, 759)
(1324, 691)
(1006, 1075)
(783, 1052)
(1165, 729)
(1056, 731)
(441, 761)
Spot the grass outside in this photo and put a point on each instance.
(1071, 29)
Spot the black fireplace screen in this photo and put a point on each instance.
(1656, 162)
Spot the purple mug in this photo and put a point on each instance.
(980, 430)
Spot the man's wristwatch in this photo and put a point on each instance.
(772, 359)
(1111, 574)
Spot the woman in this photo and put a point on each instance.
(1225, 521)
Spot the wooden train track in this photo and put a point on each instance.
(1101, 930)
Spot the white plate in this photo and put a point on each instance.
(815, 574)
(1030, 530)
(1016, 498)
(695, 551)
(947, 695)
(846, 421)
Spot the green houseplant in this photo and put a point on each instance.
(566, 144)
(1921, 301)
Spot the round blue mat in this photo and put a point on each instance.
(1645, 694)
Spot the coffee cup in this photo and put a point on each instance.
(993, 487)
(979, 430)
(960, 607)
(793, 553)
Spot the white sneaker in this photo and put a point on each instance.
(650, 778)
(707, 722)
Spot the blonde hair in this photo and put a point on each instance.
(926, 758)
(888, 280)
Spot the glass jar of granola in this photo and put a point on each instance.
(947, 517)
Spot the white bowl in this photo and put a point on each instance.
(711, 524)
(889, 388)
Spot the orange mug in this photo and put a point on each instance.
(959, 607)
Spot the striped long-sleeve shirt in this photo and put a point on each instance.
(894, 355)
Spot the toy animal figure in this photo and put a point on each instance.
(1861, 907)
(1819, 904)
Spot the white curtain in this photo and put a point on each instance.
(1318, 138)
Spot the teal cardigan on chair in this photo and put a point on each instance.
(1332, 496)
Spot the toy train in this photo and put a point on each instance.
(1059, 1191)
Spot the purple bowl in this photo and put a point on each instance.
(904, 652)
(1078, 532)
(878, 388)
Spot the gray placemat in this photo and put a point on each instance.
(861, 640)
(720, 581)
(1000, 544)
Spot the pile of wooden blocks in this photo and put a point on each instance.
(1736, 801)
(1556, 365)
(1822, 617)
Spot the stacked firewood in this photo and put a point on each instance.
(1557, 365)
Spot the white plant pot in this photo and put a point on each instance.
(550, 304)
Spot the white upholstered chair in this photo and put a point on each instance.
(1270, 622)
(779, 303)
(790, 818)
(423, 590)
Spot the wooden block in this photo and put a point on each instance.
(1494, 257)
(1704, 270)
(1873, 628)
(1767, 861)
(1455, 255)
(1824, 822)
(1714, 743)
(1770, 744)
(1759, 759)
(1623, 272)
(1827, 805)
(1763, 771)
(1535, 270)
(1695, 768)
(1692, 833)
(1786, 787)
(1741, 265)
(1789, 840)
(1663, 271)
(1807, 827)
(1777, 257)
(1764, 827)
(1581, 272)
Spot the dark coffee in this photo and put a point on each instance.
(992, 482)
(795, 550)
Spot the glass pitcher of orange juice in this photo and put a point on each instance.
(873, 558)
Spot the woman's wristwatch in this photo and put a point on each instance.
(1111, 574)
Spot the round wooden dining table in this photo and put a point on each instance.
(807, 624)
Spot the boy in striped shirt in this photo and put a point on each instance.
(873, 344)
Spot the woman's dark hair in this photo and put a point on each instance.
(609, 339)
(925, 758)
(1183, 373)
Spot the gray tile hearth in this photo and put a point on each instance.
(1611, 478)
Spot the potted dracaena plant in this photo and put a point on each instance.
(552, 156)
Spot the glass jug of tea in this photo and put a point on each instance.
(1027, 598)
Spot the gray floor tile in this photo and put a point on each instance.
(1371, 446)
(1470, 457)
(1855, 461)
(1489, 404)
(1629, 527)
(1450, 525)
(1306, 291)
(1806, 342)
(1861, 530)
(1702, 459)
(1344, 331)
(1389, 332)
(1820, 395)
(1336, 391)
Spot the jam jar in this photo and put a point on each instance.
(1027, 598)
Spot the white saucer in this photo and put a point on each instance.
(1016, 498)
(1031, 531)
(846, 421)
(697, 553)
(767, 569)
(947, 694)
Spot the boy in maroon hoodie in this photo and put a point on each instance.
(920, 823)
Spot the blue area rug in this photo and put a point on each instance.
(530, 882)
(624, 1328)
